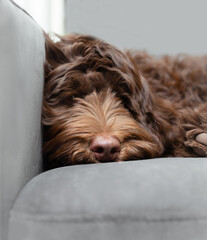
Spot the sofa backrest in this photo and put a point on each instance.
(21, 85)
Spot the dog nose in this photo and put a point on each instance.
(105, 148)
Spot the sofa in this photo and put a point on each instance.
(152, 199)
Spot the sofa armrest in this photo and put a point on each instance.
(21, 82)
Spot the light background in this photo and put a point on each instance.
(158, 26)
(49, 14)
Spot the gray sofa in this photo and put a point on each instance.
(157, 199)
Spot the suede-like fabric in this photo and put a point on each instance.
(22, 55)
(157, 199)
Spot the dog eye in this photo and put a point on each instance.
(128, 105)
(67, 101)
(125, 87)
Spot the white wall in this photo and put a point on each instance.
(49, 14)
(159, 26)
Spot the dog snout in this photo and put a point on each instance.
(105, 148)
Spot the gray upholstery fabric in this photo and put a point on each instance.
(162, 199)
(21, 82)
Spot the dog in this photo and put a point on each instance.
(104, 105)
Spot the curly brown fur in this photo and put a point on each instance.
(153, 106)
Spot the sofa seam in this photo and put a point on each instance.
(103, 218)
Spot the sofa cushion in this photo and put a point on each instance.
(150, 199)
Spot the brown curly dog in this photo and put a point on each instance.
(101, 104)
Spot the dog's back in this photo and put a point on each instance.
(181, 79)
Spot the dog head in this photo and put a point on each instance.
(96, 107)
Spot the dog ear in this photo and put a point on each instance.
(54, 55)
(133, 86)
